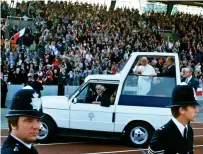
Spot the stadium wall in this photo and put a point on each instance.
(52, 90)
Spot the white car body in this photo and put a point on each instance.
(92, 117)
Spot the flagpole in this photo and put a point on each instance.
(11, 38)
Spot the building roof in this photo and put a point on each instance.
(189, 2)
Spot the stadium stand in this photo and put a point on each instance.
(73, 40)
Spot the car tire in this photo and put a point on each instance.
(138, 134)
(47, 130)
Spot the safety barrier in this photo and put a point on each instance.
(12, 89)
(165, 31)
(49, 90)
(20, 18)
(20, 22)
(52, 90)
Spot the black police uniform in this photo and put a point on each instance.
(4, 90)
(168, 139)
(194, 83)
(26, 102)
(37, 86)
(13, 146)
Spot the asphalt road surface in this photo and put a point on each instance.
(65, 145)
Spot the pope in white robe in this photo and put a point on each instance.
(144, 81)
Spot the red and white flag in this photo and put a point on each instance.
(19, 34)
(199, 92)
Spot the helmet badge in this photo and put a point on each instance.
(36, 102)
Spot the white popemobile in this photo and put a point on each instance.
(129, 115)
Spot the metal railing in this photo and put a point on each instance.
(52, 90)
(20, 18)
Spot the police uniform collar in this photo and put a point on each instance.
(179, 126)
(27, 145)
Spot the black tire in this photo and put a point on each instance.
(142, 130)
(46, 136)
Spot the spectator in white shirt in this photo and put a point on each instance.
(88, 56)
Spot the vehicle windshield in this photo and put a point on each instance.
(77, 89)
(149, 86)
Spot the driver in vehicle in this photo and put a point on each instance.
(101, 97)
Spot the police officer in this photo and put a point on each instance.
(177, 136)
(24, 122)
(29, 80)
(189, 79)
(36, 85)
(4, 90)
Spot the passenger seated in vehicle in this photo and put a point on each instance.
(170, 70)
(101, 97)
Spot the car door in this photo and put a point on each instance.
(87, 116)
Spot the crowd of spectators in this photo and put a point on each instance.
(74, 40)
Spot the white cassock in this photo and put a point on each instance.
(144, 82)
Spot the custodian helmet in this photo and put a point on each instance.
(183, 95)
(26, 102)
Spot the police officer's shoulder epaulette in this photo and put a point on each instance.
(161, 128)
(16, 147)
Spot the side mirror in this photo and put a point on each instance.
(75, 100)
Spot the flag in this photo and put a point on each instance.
(19, 34)
(199, 92)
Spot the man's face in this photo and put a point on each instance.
(144, 62)
(187, 73)
(168, 62)
(190, 113)
(99, 90)
(17, 70)
(27, 129)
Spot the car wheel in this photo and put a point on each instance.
(47, 130)
(138, 134)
